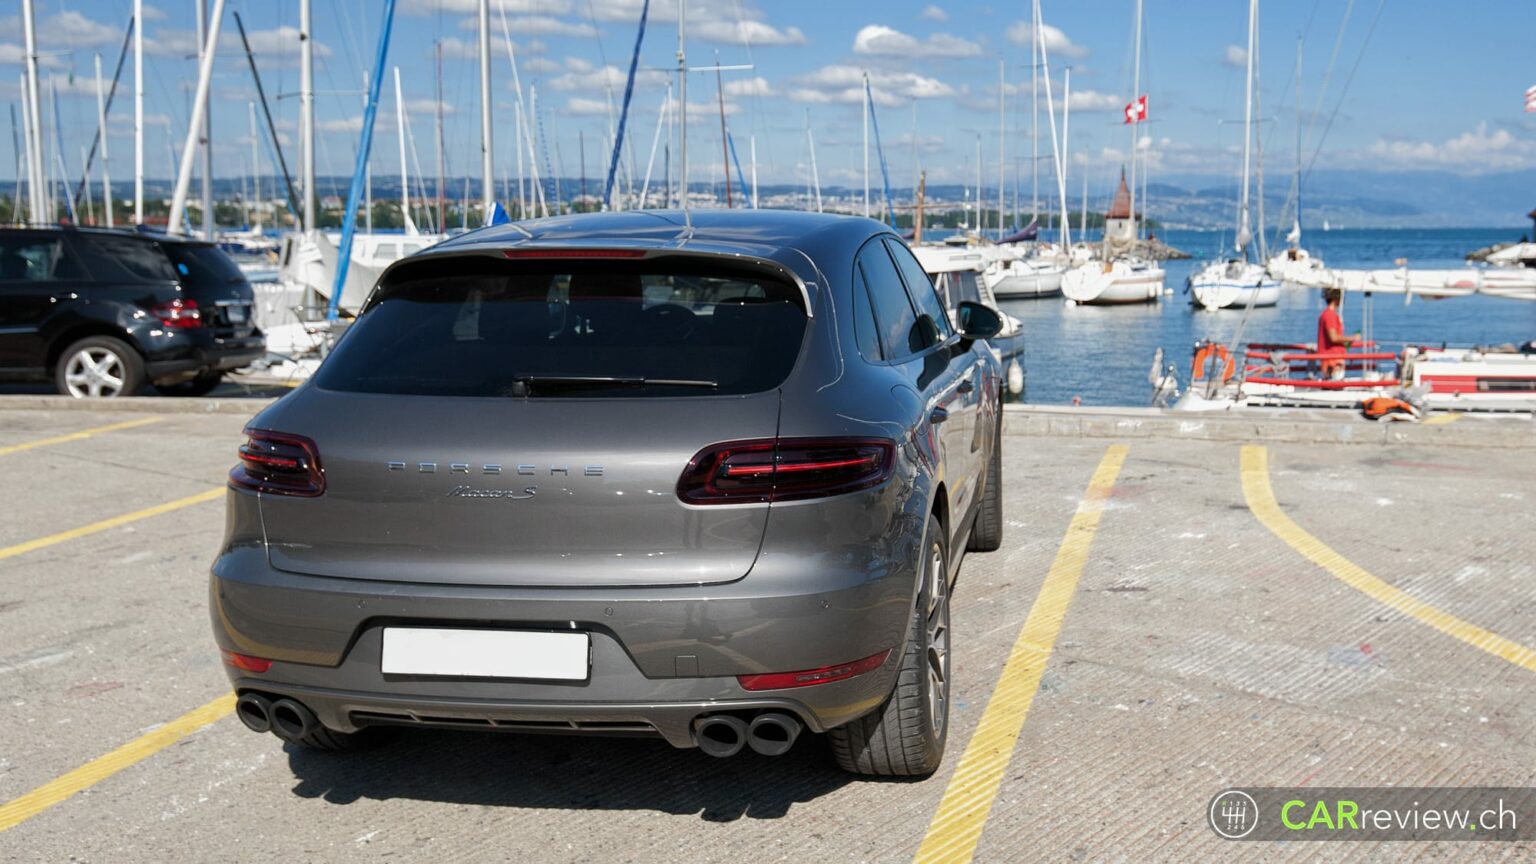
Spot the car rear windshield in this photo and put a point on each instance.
(484, 327)
(203, 265)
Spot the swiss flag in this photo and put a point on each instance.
(1530, 100)
(1136, 112)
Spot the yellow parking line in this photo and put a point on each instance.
(78, 436)
(1261, 500)
(956, 827)
(1442, 419)
(19, 810)
(107, 524)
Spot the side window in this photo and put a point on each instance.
(864, 328)
(120, 258)
(33, 257)
(897, 323)
(923, 296)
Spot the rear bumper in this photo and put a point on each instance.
(183, 353)
(660, 656)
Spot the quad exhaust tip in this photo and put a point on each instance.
(291, 721)
(255, 711)
(773, 733)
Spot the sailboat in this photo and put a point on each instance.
(1011, 275)
(1295, 266)
(1237, 281)
(1122, 277)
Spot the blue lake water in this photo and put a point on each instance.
(1102, 354)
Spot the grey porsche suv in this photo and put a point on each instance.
(706, 479)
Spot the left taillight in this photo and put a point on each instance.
(178, 314)
(279, 464)
(785, 469)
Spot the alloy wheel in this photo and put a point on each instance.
(937, 628)
(95, 372)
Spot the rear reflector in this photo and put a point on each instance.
(574, 253)
(824, 675)
(279, 464)
(786, 469)
(245, 662)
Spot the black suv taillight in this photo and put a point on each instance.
(785, 469)
(279, 464)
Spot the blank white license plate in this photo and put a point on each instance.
(485, 653)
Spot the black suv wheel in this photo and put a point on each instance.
(101, 367)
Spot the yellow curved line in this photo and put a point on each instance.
(962, 813)
(19, 810)
(1261, 501)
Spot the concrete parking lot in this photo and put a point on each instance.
(1168, 617)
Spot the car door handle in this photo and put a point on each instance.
(938, 415)
(966, 387)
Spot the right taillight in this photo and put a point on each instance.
(178, 314)
(785, 469)
(279, 464)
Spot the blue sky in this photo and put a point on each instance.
(1439, 87)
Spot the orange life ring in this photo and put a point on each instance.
(1220, 352)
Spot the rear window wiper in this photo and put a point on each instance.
(523, 384)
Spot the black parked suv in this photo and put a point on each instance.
(103, 313)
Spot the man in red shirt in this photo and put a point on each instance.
(1330, 334)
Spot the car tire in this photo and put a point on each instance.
(99, 367)
(202, 385)
(987, 531)
(905, 736)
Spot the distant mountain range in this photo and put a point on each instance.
(1352, 199)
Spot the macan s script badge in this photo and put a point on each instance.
(509, 494)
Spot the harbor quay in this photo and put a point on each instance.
(1181, 605)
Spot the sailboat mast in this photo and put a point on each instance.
(1258, 164)
(725, 142)
(1034, 114)
(199, 111)
(306, 111)
(866, 145)
(815, 175)
(1295, 238)
(138, 112)
(487, 170)
(1002, 145)
(1244, 233)
(204, 143)
(405, 179)
(1066, 120)
(101, 127)
(1135, 132)
(682, 104)
(255, 169)
(39, 199)
(442, 164)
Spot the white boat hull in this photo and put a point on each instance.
(1233, 286)
(1111, 285)
(1014, 286)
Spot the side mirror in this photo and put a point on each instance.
(978, 321)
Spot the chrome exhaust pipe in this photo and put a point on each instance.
(720, 735)
(255, 711)
(291, 721)
(773, 733)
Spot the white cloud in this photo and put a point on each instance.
(153, 13)
(757, 86)
(585, 78)
(73, 30)
(280, 43)
(16, 55)
(537, 66)
(1056, 42)
(471, 7)
(1093, 100)
(428, 106)
(1474, 152)
(582, 107)
(533, 25)
(934, 13)
(840, 83)
(880, 40)
(455, 48)
(1235, 55)
(746, 32)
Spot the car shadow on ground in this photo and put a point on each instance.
(569, 773)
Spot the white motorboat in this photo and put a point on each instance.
(957, 276)
(1233, 284)
(1298, 268)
